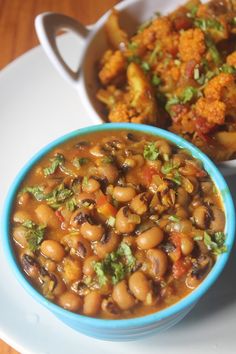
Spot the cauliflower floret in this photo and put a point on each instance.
(218, 86)
(192, 45)
(212, 110)
(139, 105)
(231, 59)
(113, 65)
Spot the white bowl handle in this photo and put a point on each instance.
(47, 26)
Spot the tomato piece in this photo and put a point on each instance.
(176, 240)
(102, 199)
(59, 216)
(148, 173)
(107, 210)
(182, 23)
(203, 126)
(180, 268)
(189, 68)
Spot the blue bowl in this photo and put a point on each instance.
(126, 329)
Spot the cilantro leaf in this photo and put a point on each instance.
(34, 234)
(206, 24)
(36, 191)
(57, 161)
(174, 218)
(115, 266)
(213, 50)
(80, 161)
(58, 196)
(228, 69)
(71, 204)
(107, 159)
(100, 271)
(215, 243)
(189, 94)
(125, 251)
(156, 80)
(151, 151)
(168, 167)
(145, 66)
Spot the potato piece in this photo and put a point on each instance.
(113, 68)
(142, 98)
(116, 36)
(228, 140)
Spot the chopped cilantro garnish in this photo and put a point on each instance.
(58, 196)
(37, 191)
(132, 45)
(34, 234)
(168, 167)
(156, 80)
(57, 161)
(115, 266)
(85, 181)
(151, 151)
(193, 11)
(174, 218)
(176, 178)
(111, 221)
(107, 159)
(215, 243)
(71, 204)
(145, 66)
(198, 238)
(144, 25)
(189, 94)
(171, 102)
(213, 50)
(208, 23)
(228, 69)
(80, 161)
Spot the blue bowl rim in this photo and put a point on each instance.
(172, 310)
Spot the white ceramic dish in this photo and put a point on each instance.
(84, 77)
(29, 119)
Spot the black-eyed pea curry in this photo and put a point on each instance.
(117, 225)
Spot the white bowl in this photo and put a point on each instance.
(84, 79)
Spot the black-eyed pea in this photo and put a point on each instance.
(60, 286)
(123, 194)
(46, 216)
(78, 217)
(139, 285)
(217, 223)
(150, 238)
(19, 235)
(182, 197)
(70, 301)
(92, 303)
(139, 204)
(187, 245)
(110, 308)
(159, 262)
(84, 196)
(201, 216)
(109, 171)
(53, 250)
(29, 266)
(107, 244)
(122, 297)
(24, 198)
(50, 265)
(21, 216)
(92, 232)
(124, 224)
(91, 186)
(88, 265)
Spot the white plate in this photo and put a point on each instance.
(36, 106)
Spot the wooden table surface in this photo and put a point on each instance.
(17, 35)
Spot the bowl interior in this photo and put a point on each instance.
(149, 319)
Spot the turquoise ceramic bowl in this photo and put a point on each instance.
(128, 329)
